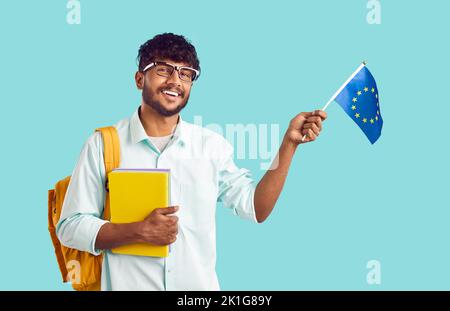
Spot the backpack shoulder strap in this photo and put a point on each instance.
(111, 147)
(111, 155)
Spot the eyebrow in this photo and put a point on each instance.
(161, 61)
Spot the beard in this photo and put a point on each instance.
(149, 98)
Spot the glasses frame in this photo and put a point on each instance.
(176, 68)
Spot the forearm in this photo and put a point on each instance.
(269, 188)
(114, 235)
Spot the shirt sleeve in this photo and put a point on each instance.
(236, 187)
(82, 208)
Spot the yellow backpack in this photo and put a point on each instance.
(82, 268)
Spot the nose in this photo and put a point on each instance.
(174, 78)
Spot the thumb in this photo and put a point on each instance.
(299, 120)
(168, 210)
(306, 114)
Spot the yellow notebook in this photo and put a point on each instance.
(134, 194)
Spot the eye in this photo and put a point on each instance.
(187, 74)
(163, 69)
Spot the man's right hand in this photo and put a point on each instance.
(160, 227)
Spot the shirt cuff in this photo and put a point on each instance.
(94, 229)
(252, 215)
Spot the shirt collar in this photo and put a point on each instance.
(138, 133)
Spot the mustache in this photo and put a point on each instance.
(172, 89)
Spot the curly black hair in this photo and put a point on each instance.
(168, 46)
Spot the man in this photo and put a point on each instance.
(202, 173)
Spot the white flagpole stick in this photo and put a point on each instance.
(341, 88)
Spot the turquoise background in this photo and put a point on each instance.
(345, 201)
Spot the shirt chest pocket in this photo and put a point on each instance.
(197, 205)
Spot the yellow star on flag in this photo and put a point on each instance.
(366, 89)
(354, 99)
(372, 121)
(353, 107)
(359, 93)
(357, 115)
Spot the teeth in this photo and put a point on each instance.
(170, 93)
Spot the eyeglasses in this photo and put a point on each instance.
(164, 69)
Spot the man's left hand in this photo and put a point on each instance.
(305, 123)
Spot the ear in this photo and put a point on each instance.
(139, 79)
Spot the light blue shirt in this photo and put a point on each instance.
(202, 173)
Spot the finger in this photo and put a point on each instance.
(305, 137)
(173, 220)
(167, 210)
(299, 119)
(322, 114)
(313, 127)
(309, 125)
(316, 120)
(305, 114)
(172, 230)
(172, 238)
(310, 136)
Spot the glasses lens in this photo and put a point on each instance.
(164, 70)
(187, 74)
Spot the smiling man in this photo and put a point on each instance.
(202, 173)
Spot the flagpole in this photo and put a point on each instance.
(364, 63)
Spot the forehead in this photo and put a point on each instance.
(169, 61)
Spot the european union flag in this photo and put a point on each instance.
(360, 100)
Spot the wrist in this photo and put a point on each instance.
(134, 232)
(289, 142)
